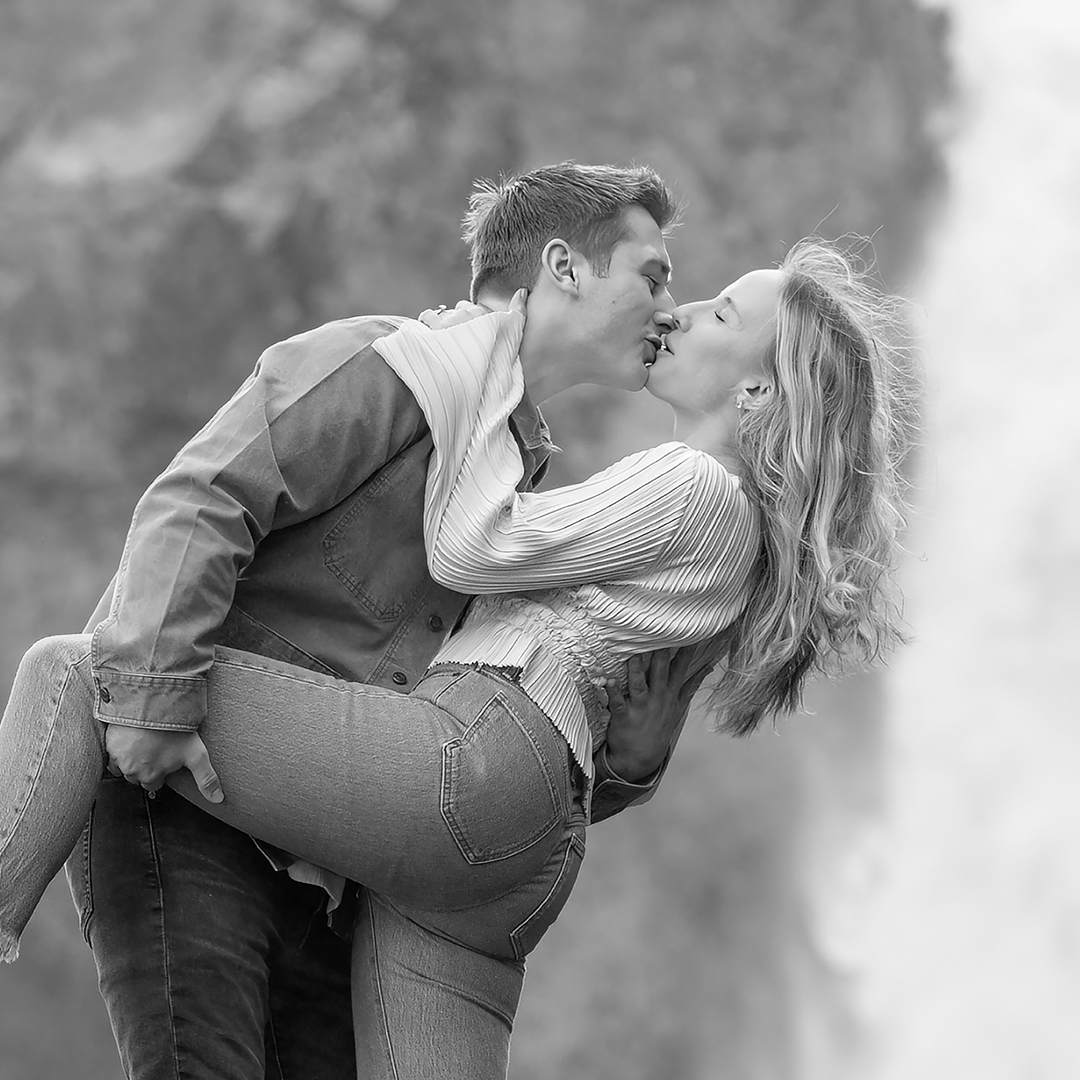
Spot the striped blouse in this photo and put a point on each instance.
(654, 551)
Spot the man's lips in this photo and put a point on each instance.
(659, 344)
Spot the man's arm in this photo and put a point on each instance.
(645, 725)
(319, 415)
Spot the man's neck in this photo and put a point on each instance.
(544, 364)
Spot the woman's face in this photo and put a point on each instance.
(717, 344)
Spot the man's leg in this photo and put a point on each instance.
(185, 917)
(310, 1032)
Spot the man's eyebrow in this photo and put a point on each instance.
(663, 267)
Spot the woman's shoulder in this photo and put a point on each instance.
(708, 473)
(717, 512)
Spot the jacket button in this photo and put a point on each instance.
(400, 678)
(436, 623)
(105, 695)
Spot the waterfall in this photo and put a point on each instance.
(965, 945)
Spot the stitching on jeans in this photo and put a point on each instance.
(274, 1042)
(517, 935)
(379, 988)
(450, 779)
(87, 912)
(474, 999)
(36, 767)
(164, 940)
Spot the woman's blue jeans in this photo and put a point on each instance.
(457, 805)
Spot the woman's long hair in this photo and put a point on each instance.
(822, 462)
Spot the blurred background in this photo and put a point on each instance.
(886, 887)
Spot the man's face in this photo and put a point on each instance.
(621, 316)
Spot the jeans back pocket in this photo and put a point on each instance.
(500, 792)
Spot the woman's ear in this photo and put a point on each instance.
(753, 393)
(559, 264)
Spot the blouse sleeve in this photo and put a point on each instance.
(615, 525)
(482, 535)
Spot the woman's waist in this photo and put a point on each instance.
(525, 630)
(560, 667)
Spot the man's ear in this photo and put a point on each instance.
(560, 264)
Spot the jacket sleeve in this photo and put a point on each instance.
(320, 413)
(612, 794)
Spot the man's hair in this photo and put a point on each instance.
(510, 221)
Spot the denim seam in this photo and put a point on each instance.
(261, 628)
(336, 563)
(443, 672)
(155, 857)
(517, 933)
(87, 912)
(39, 765)
(274, 1042)
(352, 688)
(382, 997)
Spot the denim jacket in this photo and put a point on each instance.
(290, 526)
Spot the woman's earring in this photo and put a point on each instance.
(739, 402)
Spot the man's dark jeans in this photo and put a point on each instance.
(213, 965)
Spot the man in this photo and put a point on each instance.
(292, 526)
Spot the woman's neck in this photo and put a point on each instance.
(712, 434)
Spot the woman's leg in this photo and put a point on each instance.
(51, 762)
(437, 809)
(425, 1007)
(365, 781)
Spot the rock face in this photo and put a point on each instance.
(181, 184)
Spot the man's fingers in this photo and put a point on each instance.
(680, 664)
(616, 698)
(635, 675)
(206, 779)
(659, 667)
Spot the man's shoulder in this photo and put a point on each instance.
(354, 333)
(342, 347)
(332, 363)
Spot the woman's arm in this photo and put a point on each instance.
(483, 535)
(616, 524)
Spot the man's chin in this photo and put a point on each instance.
(641, 381)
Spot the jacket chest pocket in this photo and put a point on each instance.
(375, 547)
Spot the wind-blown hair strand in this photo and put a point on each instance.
(821, 459)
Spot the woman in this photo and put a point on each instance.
(766, 533)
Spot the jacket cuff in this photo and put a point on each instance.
(160, 702)
(611, 793)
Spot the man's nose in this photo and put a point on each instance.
(678, 318)
(663, 316)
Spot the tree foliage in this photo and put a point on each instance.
(181, 184)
